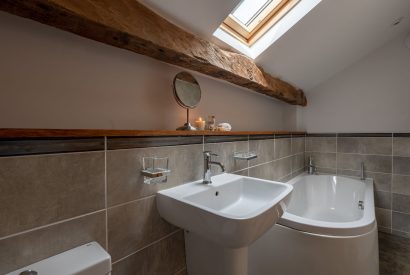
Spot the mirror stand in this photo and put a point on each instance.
(187, 126)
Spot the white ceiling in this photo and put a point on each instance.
(335, 34)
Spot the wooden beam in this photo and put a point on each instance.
(128, 24)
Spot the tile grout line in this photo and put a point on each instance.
(285, 176)
(337, 152)
(304, 154)
(401, 231)
(359, 154)
(132, 201)
(51, 224)
(179, 271)
(148, 245)
(406, 213)
(291, 152)
(106, 192)
(248, 162)
(293, 155)
(391, 184)
(263, 163)
(374, 172)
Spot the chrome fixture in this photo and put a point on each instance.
(311, 167)
(361, 205)
(155, 170)
(207, 166)
(245, 155)
(362, 176)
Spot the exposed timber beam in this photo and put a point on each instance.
(128, 24)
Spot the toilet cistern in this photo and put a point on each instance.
(87, 259)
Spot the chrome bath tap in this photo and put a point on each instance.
(362, 174)
(311, 167)
(207, 166)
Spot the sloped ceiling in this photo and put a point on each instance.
(331, 37)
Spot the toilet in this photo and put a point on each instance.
(87, 259)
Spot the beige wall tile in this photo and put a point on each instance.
(372, 163)
(298, 145)
(265, 150)
(125, 182)
(401, 184)
(298, 162)
(323, 160)
(264, 171)
(282, 167)
(401, 221)
(135, 225)
(365, 145)
(383, 217)
(321, 144)
(401, 146)
(225, 151)
(401, 165)
(41, 189)
(401, 203)
(283, 147)
(165, 257)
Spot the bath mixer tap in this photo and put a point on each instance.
(207, 166)
(311, 167)
(362, 175)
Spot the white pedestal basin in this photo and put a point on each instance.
(222, 219)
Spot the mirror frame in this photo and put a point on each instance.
(177, 99)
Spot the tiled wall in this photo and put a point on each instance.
(386, 158)
(56, 194)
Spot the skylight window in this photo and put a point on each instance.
(246, 11)
(252, 18)
(255, 24)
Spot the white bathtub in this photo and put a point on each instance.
(322, 232)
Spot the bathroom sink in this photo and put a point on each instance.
(233, 211)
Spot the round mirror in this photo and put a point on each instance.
(186, 90)
(188, 94)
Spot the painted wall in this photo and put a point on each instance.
(372, 95)
(54, 79)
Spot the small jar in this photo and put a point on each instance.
(211, 123)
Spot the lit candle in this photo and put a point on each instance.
(200, 124)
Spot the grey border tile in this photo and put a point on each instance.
(144, 142)
(401, 134)
(283, 136)
(216, 139)
(34, 146)
(321, 135)
(298, 135)
(261, 137)
(364, 135)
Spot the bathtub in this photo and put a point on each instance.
(324, 231)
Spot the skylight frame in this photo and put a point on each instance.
(272, 35)
(260, 23)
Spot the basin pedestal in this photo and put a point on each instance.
(205, 257)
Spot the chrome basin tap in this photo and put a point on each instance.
(207, 166)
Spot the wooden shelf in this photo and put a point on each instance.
(56, 133)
